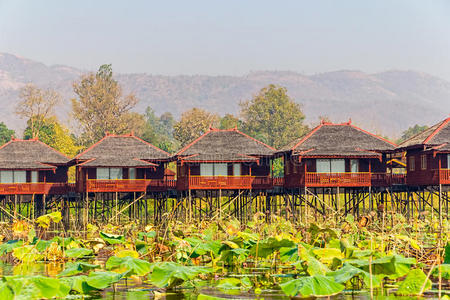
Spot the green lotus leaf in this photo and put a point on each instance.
(312, 286)
(413, 283)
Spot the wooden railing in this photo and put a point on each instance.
(278, 181)
(226, 182)
(337, 179)
(444, 176)
(385, 179)
(127, 185)
(28, 188)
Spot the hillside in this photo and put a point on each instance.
(386, 102)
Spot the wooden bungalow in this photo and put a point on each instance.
(224, 160)
(428, 156)
(336, 155)
(121, 163)
(29, 167)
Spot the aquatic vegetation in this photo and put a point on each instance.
(308, 260)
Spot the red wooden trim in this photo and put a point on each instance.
(247, 136)
(444, 123)
(193, 142)
(90, 148)
(307, 136)
(374, 135)
(151, 145)
(223, 130)
(34, 140)
(341, 156)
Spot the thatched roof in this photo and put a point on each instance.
(121, 151)
(30, 154)
(344, 139)
(437, 136)
(226, 146)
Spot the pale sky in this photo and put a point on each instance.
(231, 37)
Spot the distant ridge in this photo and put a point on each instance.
(386, 102)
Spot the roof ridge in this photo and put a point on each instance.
(35, 140)
(308, 135)
(252, 138)
(436, 131)
(194, 141)
(430, 128)
(373, 135)
(150, 144)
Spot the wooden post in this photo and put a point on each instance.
(220, 204)
(370, 186)
(117, 207)
(15, 206)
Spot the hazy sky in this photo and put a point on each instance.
(231, 37)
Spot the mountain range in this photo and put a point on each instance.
(386, 103)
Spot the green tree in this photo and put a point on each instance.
(194, 123)
(5, 133)
(411, 131)
(55, 135)
(159, 130)
(273, 117)
(229, 121)
(100, 106)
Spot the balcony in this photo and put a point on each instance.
(225, 182)
(337, 179)
(444, 176)
(384, 179)
(127, 185)
(54, 188)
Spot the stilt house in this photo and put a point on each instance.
(30, 167)
(336, 155)
(224, 159)
(121, 163)
(428, 156)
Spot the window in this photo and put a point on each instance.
(9, 176)
(330, 165)
(220, 169)
(132, 173)
(323, 166)
(34, 176)
(109, 173)
(216, 169)
(337, 166)
(354, 165)
(206, 169)
(423, 162)
(236, 169)
(412, 163)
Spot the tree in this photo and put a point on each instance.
(101, 107)
(273, 117)
(36, 104)
(229, 121)
(55, 135)
(411, 131)
(193, 123)
(5, 133)
(159, 130)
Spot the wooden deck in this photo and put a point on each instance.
(41, 188)
(444, 176)
(224, 182)
(128, 185)
(362, 179)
